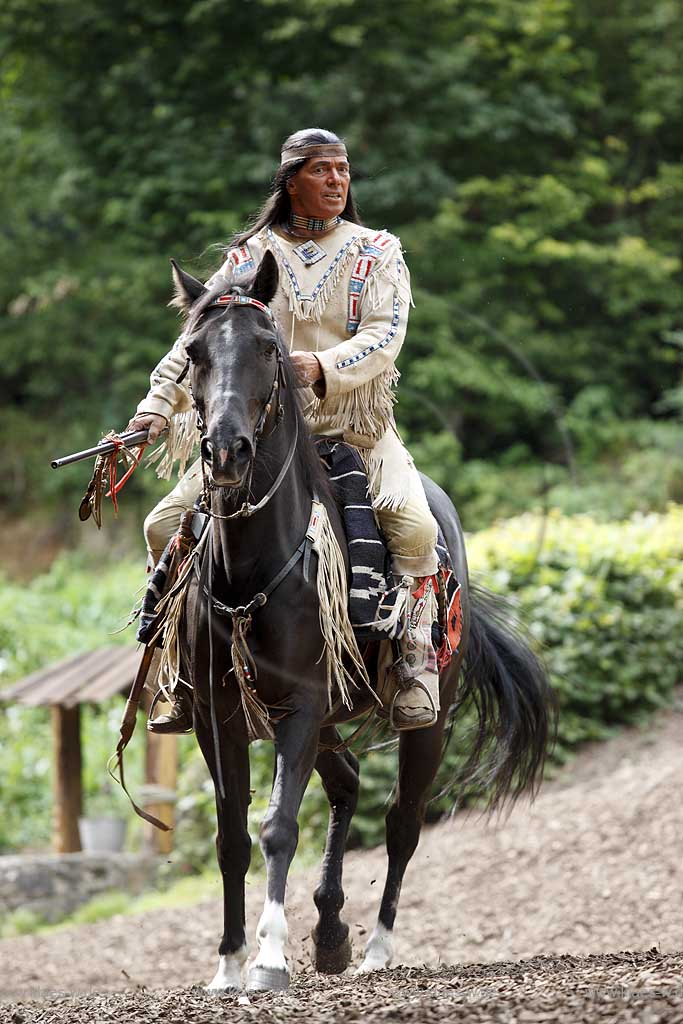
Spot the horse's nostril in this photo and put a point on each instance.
(206, 450)
(240, 448)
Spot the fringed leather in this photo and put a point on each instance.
(169, 616)
(178, 445)
(388, 481)
(393, 612)
(396, 274)
(366, 410)
(304, 307)
(256, 713)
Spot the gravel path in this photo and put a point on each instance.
(593, 867)
(622, 987)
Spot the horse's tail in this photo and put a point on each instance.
(509, 689)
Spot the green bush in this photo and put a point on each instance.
(604, 602)
(101, 907)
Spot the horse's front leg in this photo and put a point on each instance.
(233, 847)
(296, 743)
(339, 774)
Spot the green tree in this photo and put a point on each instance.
(528, 152)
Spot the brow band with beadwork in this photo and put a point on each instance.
(329, 149)
(244, 300)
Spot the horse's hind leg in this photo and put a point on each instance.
(419, 757)
(339, 774)
(233, 848)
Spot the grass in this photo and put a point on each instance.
(180, 893)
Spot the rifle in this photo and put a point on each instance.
(105, 447)
(104, 476)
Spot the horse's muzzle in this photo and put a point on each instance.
(228, 465)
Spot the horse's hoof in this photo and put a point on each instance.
(228, 977)
(333, 961)
(267, 979)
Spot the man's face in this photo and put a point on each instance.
(320, 187)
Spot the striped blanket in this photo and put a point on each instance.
(368, 554)
(372, 593)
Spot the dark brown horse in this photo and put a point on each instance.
(256, 444)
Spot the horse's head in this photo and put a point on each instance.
(235, 356)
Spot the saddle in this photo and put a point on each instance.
(372, 590)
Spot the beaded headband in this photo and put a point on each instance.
(325, 149)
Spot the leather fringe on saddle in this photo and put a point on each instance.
(256, 713)
(335, 625)
(169, 616)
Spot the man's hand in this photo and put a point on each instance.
(150, 421)
(308, 369)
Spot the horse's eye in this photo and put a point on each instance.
(271, 350)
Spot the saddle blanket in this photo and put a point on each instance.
(372, 591)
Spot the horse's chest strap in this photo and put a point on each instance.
(241, 615)
(246, 611)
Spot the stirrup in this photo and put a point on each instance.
(170, 724)
(418, 725)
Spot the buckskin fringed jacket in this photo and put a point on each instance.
(345, 297)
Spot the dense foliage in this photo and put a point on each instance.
(528, 152)
(602, 601)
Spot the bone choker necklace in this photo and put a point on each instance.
(305, 225)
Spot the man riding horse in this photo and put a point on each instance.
(342, 303)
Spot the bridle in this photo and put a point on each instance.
(246, 508)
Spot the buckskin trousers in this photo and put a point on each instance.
(410, 531)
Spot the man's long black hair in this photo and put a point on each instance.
(277, 206)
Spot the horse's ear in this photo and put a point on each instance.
(187, 288)
(265, 282)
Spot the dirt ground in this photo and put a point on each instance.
(518, 919)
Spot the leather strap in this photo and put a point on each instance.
(127, 729)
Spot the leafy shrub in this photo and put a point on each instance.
(604, 602)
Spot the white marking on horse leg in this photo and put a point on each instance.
(379, 951)
(272, 934)
(229, 973)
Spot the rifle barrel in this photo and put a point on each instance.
(103, 448)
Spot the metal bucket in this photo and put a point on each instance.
(102, 835)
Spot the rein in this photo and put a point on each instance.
(247, 509)
(255, 711)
